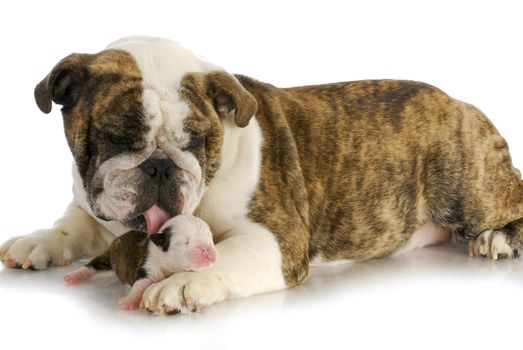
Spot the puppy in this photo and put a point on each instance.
(139, 259)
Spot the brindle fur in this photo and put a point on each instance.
(203, 123)
(105, 98)
(351, 170)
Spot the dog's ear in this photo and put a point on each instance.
(162, 239)
(230, 97)
(63, 84)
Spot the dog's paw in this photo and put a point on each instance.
(183, 293)
(492, 244)
(36, 251)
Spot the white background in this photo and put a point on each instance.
(431, 298)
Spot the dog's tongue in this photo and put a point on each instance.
(155, 218)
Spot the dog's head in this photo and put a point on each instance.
(144, 121)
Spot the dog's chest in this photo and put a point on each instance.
(225, 203)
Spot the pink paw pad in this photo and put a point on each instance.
(71, 279)
(128, 304)
(79, 275)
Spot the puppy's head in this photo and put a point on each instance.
(144, 121)
(186, 243)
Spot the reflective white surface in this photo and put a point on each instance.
(434, 298)
(424, 298)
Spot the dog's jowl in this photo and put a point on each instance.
(283, 177)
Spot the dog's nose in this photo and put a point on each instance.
(158, 168)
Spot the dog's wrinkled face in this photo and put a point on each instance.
(144, 151)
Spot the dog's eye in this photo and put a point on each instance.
(115, 140)
(196, 141)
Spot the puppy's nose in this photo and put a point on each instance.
(204, 255)
(158, 168)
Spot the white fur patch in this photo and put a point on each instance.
(224, 205)
(163, 62)
(426, 235)
(118, 175)
(75, 234)
(80, 198)
(321, 261)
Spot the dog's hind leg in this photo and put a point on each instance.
(506, 242)
(503, 242)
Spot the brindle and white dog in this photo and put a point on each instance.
(284, 177)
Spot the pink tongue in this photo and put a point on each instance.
(155, 218)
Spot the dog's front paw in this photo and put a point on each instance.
(36, 251)
(183, 293)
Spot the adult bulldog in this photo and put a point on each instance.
(284, 177)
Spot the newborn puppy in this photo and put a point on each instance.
(184, 244)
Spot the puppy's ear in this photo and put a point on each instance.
(162, 239)
(230, 97)
(63, 84)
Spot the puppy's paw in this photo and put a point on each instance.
(36, 251)
(493, 244)
(80, 275)
(129, 303)
(183, 293)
